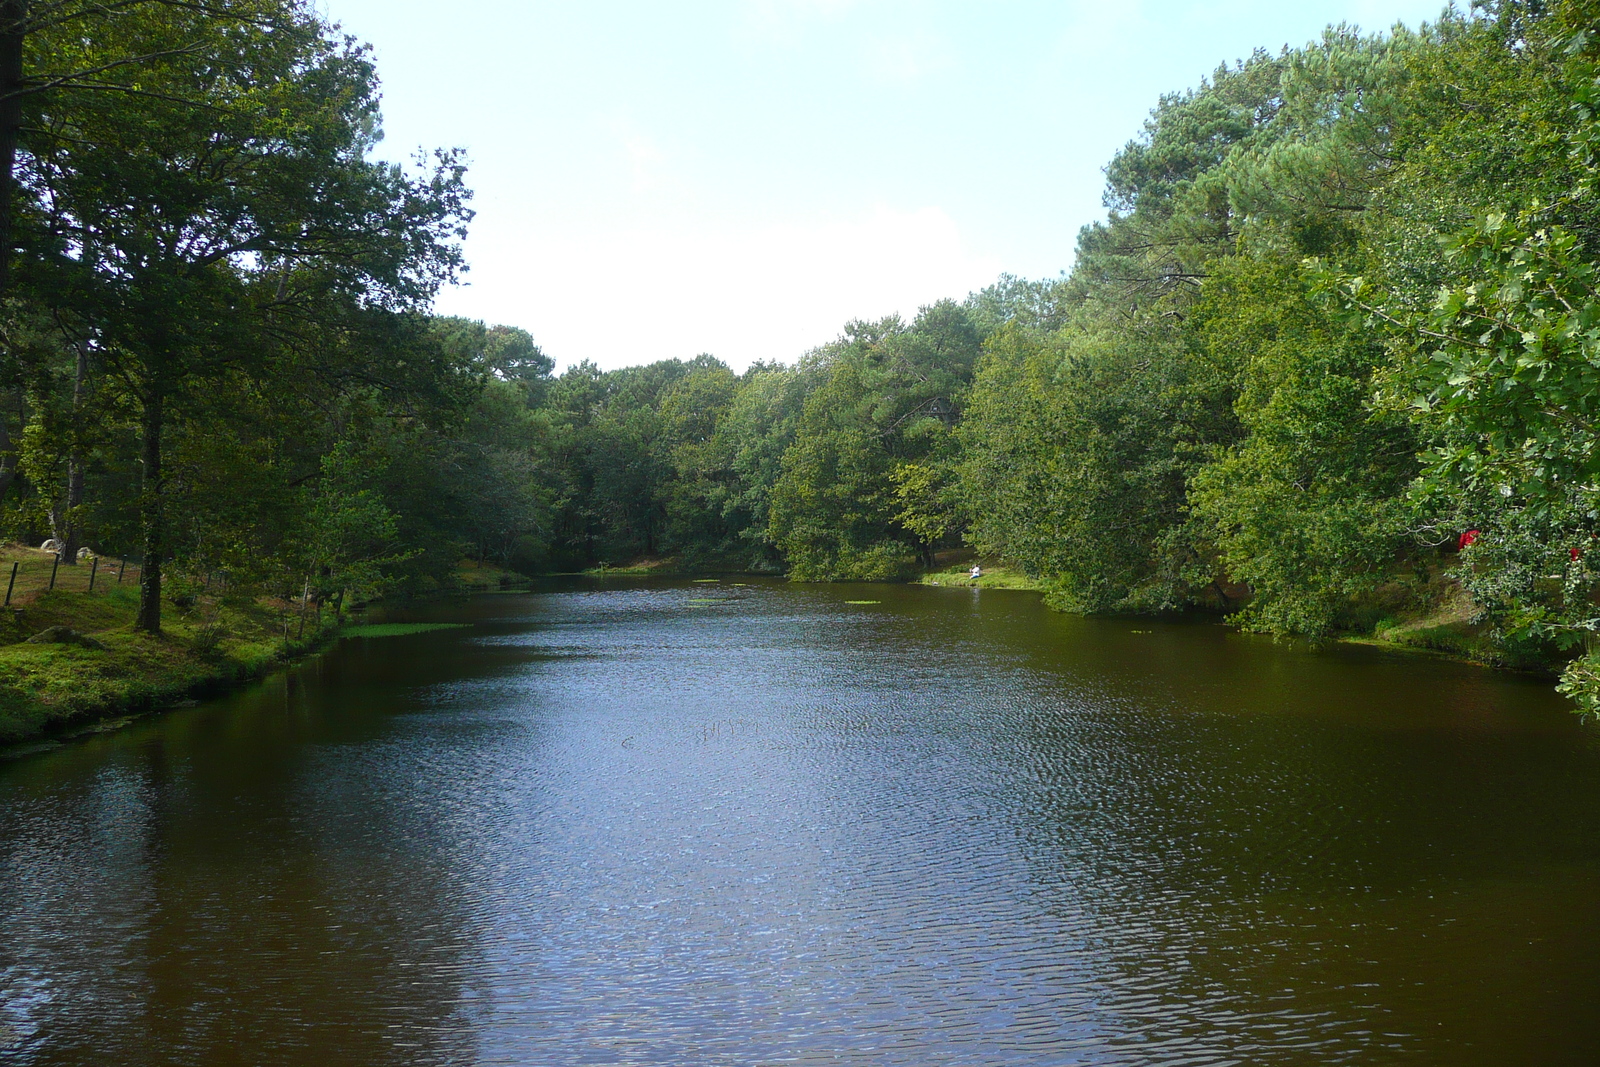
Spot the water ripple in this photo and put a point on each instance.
(624, 827)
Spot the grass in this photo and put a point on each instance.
(398, 629)
(33, 569)
(639, 568)
(1446, 627)
(214, 643)
(220, 639)
(472, 576)
(994, 577)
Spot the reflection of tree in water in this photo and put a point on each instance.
(212, 895)
(1270, 854)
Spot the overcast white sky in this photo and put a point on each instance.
(741, 177)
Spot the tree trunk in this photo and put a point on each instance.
(71, 529)
(13, 31)
(152, 519)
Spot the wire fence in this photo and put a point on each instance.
(25, 579)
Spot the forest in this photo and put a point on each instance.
(1330, 364)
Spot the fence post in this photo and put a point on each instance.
(54, 565)
(122, 568)
(94, 566)
(12, 584)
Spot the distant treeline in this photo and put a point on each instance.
(1332, 359)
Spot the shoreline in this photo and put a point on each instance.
(998, 576)
(52, 693)
(147, 676)
(130, 677)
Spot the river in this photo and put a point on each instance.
(718, 824)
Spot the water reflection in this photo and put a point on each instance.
(622, 826)
(212, 889)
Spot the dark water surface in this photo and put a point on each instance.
(622, 827)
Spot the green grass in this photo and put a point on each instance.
(639, 568)
(221, 639)
(994, 577)
(1448, 630)
(34, 568)
(398, 629)
(470, 576)
(215, 643)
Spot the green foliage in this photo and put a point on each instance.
(1341, 311)
(889, 396)
(1306, 507)
(929, 506)
(204, 221)
(1077, 451)
(1509, 367)
(352, 538)
(1581, 682)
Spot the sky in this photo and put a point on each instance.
(743, 177)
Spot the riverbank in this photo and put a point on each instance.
(664, 567)
(69, 659)
(649, 567)
(82, 661)
(1446, 629)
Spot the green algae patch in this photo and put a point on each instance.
(399, 629)
(863, 602)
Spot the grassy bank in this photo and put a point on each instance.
(472, 576)
(994, 576)
(1453, 629)
(210, 644)
(639, 568)
(104, 668)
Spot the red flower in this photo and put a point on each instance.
(1468, 538)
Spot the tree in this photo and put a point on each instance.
(1308, 507)
(225, 197)
(891, 395)
(352, 536)
(65, 60)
